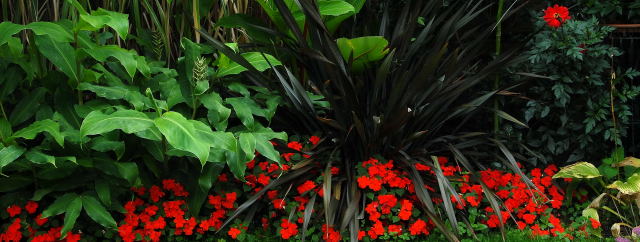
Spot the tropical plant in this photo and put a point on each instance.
(616, 182)
(412, 102)
(105, 119)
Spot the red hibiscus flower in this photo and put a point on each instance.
(555, 16)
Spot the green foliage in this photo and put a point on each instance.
(105, 119)
(584, 103)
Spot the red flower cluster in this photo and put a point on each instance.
(288, 229)
(379, 174)
(555, 16)
(15, 233)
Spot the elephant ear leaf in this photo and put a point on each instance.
(129, 121)
(182, 135)
(578, 170)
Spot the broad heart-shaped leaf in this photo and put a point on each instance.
(129, 121)
(54, 31)
(9, 154)
(181, 134)
(101, 17)
(71, 215)
(127, 58)
(8, 29)
(363, 50)
(578, 170)
(254, 58)
(47, 125)
(97, 212)
(61, 54)
(631, 186)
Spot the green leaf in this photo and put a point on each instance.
(129, 121)
(218, 114)
(578, 170)
(61, 54)
(628, 161)
(24, 108)
(97, 212)
(591, 213)
(13, 183)
(101, 17)
(248, 145)
(5, 130)
(47, 125)
(264, 146)
(191, 53)
(128, 171)
(363, 50)
(210, 173)
(59, 205)
(631, 186)
(9, 154)
(254, 58)
(8, 29)
(235, 161)
(51, 30)
(241, 106)
(220, 140)
(38, 157)
(181, 134)
(103, 191)
(71, 215)
(335, 7)
(118, 93)
(127, 58)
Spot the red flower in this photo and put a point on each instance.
(279, 204)
(295, 145)
(155, 193)
(14, 210)
(387, 202)
(397, 229)
(272, 194)
(71, 237)
(330, 234)
(335, 170)
(140, 191)
(405, 210)
(40, 221)
(306, 186)
(234, 232)
(31, 207)
(555, 16)
(176, 188)
(314, 140)
(594, 223)
(376, 230)
(373, 183)
(529, 218)
(288, 229)
(419, 227)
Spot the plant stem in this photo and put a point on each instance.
(496, 81)
(3, 113)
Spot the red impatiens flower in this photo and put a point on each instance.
(330, 234)
(40, 221)
(594, 223)
(314, 140)
(419, 227)
(14, 210)
(288, 229)
(234, 232)
(279, 203)
(555, 16)
(295, 145)
(306, 186)
(395, 229)
(405, 210)
(529, 218)
(155, 193)
(31, 207)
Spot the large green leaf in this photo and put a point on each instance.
(578, 170)
(263, 145)
(54, 31)
(242, 108)
(256, 59)
(101, 17)
(248, 145)
(129, 121)
(363, 50)
(47, 125)
(24, 108)
(61, 54)
(218, 139)
(8, 29)
(71, 215)
(631, 186)
(328, 8)
(118, 93)
(218, 114)
(36, 156)
(97, 212)
(9, 154)
(127, 58)
(181, 134)
(59, 205)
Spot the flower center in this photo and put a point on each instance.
(556, 15)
